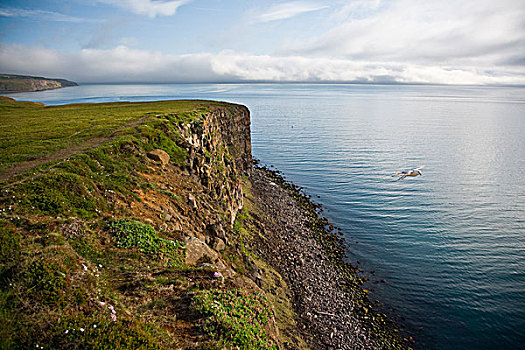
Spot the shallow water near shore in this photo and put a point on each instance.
(451, 243)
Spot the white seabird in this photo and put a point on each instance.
(410, 172)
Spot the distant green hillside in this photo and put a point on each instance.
(22, 83)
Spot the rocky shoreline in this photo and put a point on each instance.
(333, 311)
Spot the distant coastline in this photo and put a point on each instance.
(10, 83)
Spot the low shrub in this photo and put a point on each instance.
(236, 318)
(136, 235)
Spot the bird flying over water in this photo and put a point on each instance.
(410, 172)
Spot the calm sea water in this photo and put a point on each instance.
(451, 243)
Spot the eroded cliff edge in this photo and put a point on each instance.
(165, 235)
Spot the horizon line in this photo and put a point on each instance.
(269, 82)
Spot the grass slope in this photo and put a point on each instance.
(29, 131)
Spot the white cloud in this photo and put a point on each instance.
(446, 32)
(123, 64)
(42, 15)
(287, 10)
(150, 8)
(295, 68)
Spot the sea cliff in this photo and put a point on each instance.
(22, 83)
(149, 225)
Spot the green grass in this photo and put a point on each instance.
(80, 185)
(144, 238)
(99, 333)
(29, 130)
(95, 331)
(9, 243)
(59, 193)
(236, 318)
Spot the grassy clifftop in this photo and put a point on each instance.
(99, 248)
(22, 83)
(144, 225)
(32, 131)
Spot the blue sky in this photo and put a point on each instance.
(371, 41)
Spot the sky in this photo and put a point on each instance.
(472, 42)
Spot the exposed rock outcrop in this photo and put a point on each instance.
(219, 150)
(159, 156)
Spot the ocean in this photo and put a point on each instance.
(450, 244)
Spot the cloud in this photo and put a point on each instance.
(42, 15)
(287, 10)
(446, 32)
(150, 8)
(119, 64)
(300, 69)
(123, 64)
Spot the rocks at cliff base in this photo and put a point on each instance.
(197, 250)
(199, 253)
(291, 245)
(159, 155)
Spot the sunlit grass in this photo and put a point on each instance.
(29, 131)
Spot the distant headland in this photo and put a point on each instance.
(25, 83)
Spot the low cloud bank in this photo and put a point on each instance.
(122, 64)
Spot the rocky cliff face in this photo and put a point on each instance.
(219, 150)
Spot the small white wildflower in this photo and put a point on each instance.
(85, 267)
(67, 331)
(94, 326)
(102, 303)
(100, 265)
(82, 329)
